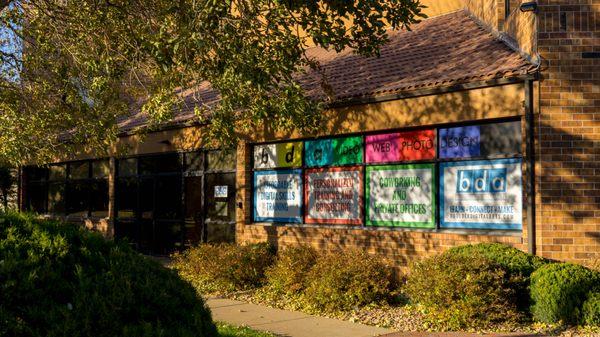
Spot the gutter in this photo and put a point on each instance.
(530, 166)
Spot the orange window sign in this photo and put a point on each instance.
(417, 145)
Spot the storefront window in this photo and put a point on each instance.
(469, 174)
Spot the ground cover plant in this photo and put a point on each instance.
(61, 280)
(228, 330)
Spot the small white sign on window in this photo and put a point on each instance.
(221, 191)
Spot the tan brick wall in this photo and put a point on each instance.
(569, 131)
(401, 246)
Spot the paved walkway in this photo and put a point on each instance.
(287, 323)
(296, 324)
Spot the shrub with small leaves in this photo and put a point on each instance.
(517, 264)
(514, 261)
(287, 277)
(558, 291)
(460, 292)
(591, 309)
(58, 279)
(224, 268)
(347, 279)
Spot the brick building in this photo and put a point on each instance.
(481, 124)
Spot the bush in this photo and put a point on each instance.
(512, 260)
(462, 292)
(517, 264)
(61, 280)
(558, 291)
(224, 268)
(288, 275)
(347, 279)
(591, 309)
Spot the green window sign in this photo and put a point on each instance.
(401, 196)
(334, 152)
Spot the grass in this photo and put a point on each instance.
(227, 330)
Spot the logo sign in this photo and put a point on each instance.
(278, 155)
(404, 146)
(278, 196)
(481, 194)
(221, 191)
(481, 181)
(333, 195)
(401, 196)
(334, 152)
(481, 140)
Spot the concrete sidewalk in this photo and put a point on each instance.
(287, 323)
(296, 324)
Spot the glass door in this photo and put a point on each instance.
(194, 219)
(219, 193)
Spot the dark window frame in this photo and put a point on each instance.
(183, 172)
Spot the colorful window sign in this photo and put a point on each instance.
(278, 155)
(401, 196)
(333, 152)
(334, 195)
(278, 196)
(481, 194)
(481, 140)
(402, 146)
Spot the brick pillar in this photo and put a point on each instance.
(569, 131)
(244, 189)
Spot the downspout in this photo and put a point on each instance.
(530, 166)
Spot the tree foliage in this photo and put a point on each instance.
(72, 69)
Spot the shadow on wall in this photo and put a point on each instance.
(568, 184)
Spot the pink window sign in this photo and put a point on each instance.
(382, 148)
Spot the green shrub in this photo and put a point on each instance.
(61, 280)
(462, 292)
(558, 291)
(514, 261)
(288, 275)
(224, 268)
(517, 264)
(591, 309)
(347, 279)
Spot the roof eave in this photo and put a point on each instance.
(533, 76)
(434, 90)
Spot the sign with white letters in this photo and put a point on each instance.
(481, 194)
(278, 196)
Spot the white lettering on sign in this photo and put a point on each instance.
(278, 196)
(481, 194)
(334, 195)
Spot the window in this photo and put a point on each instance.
(36, 188)
(466, 177)
(159, 198)
(75, 188)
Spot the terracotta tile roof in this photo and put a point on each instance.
(438, 52)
